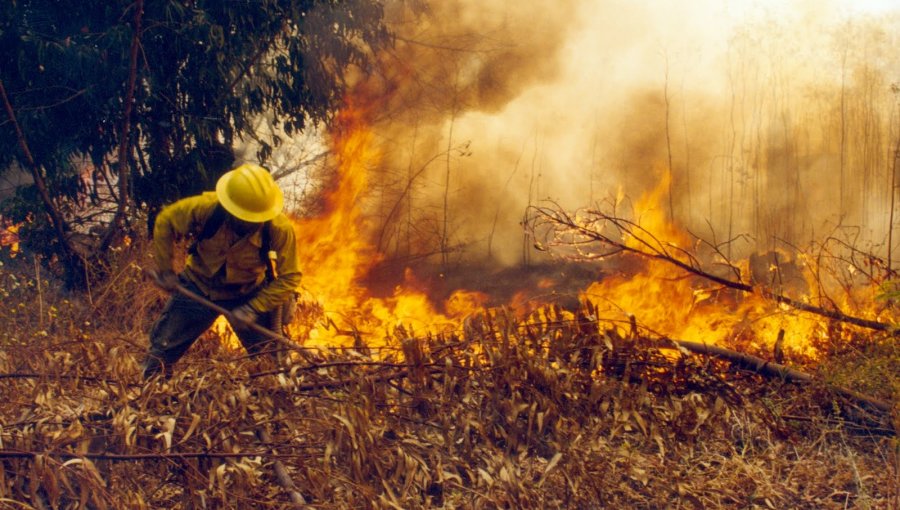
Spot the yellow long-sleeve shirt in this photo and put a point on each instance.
(226, 265)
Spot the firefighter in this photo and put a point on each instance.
(241, 241)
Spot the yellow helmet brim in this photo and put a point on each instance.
(242, 213)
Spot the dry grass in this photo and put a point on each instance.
(559, 413)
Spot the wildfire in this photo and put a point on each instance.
(668, 301)
(335, 256)
(664, 300)
(657, 295)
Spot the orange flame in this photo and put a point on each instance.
(9, 236)
(661, 297)
(669, 301)
(335, 256)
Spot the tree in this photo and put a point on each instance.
(117, 108)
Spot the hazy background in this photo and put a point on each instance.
(776, 119)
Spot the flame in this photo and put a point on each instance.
(664, 299)
(667, 300)
(9, 236)
(335, 255)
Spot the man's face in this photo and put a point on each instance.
(241, 227)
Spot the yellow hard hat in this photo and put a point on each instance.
(249, 193)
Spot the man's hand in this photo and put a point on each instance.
(167, 280)
(245, 314)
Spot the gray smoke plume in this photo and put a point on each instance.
(778, 121)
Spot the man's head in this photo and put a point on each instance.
(250, 194)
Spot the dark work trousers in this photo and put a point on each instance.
(184, 320)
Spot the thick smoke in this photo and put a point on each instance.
(778, 122)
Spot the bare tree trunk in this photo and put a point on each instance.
(73, 258)
(687, 158)
(445, 227)
(124, 145)
(593, 164)
(445, 259)
(843, 132)
(405, 195)
(409, 183)
(731, 159)
(890, 244)
(671, 169)
(490, 241)
(526, 245)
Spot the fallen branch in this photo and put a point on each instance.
(306, 368)
(281, 473)
(563, 224)
(124, 457)
(62, 377)
(849, 426)
(774, 370)
(330, 385)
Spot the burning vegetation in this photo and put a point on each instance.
(552, 409)
(617, 399)
(621, 362)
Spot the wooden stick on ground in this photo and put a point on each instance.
(281, 473)
(769, 369)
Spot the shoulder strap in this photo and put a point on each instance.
(210, 227)
(266, 253)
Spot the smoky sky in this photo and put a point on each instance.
(775, 120)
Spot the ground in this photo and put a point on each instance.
(553, 410)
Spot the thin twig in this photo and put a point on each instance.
(126, 457)
(558, 220)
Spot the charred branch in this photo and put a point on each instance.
(281, 473)
(769, 369)
(595, 234)
(133, 457)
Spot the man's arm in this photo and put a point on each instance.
(176, 221)
(284, 243)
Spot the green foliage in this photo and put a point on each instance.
(890, 291)
(207, 71)
(870, 364)
(51, 66)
